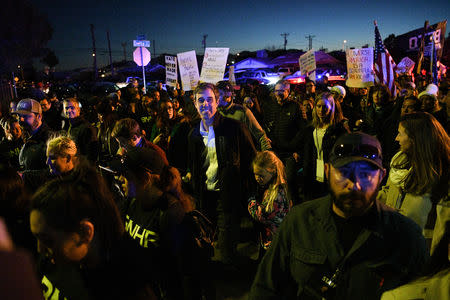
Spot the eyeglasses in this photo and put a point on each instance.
(366, 151)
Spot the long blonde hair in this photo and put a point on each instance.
(335, 116)
(268, 161)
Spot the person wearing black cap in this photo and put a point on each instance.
(346, 245)
(32, 154)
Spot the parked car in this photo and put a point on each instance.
(263, 76)
(237, 74)
(335, 75)
(295, 78)
(285, 71)
(101, 88)
(128, 81)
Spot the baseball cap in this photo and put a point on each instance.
(338, 89)
(137, 159)
(431, 89)
(225, 86)
(356, 146)
(28, 106)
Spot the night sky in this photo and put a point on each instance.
(178, 26)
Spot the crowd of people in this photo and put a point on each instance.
(131, 195)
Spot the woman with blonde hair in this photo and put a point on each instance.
(327, 125)
(271, 203)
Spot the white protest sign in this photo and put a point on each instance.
(187, 62)
(360, 67)
(214, 63)
(171, 71)
(406, 65)
(307, 63)
(231, 77)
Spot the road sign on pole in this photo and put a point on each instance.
(141, 43)
(142, 57)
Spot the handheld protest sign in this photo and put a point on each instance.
(187, 62)
(360, 68)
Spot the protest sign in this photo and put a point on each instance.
(232, 77)
(406, 65)
(171, 71)
(307, 63)
(360, 67)
(187, 62)
(214, 63)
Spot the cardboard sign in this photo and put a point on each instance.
(406, 65)
(187, 62)
(171, 71)
(214, 63)
(232, 77)
(307, 63)
(360, 67)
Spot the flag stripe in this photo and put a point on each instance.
(383, 64)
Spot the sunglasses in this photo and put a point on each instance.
(366, 151)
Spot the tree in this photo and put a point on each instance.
(24, 33)
(391, 45)
(50, 59)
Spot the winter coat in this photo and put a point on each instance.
(427, 288)
(415, 207)
(388, 252)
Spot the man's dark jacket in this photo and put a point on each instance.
(387, 253)
(284, 126)
(235, 151)
(33, 155)
(84, 136)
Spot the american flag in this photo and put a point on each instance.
(383, 64)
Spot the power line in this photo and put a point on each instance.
(310, 38)
(285, 35)
(93, 52)
(124, 45)
(204, 42)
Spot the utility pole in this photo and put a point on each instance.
(310, 38)
(204, 42)
(154, 48)
(94, 54)
(110, 55)
(124, 45)
(285, 35)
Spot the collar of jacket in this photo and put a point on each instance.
(76, 121)
(41, 134)
(218, 118)
(375, 226)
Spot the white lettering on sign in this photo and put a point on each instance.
(360, 67)
(143, 235)
(414, 41)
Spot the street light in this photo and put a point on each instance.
(93, 54)
(343, 45)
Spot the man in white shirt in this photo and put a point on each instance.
(220, 152)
